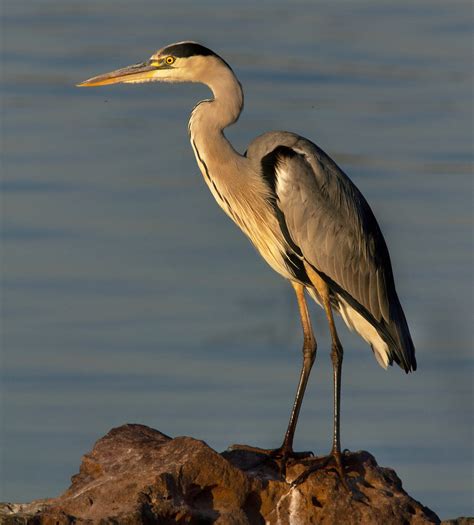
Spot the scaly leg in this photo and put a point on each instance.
(336, 356)
(309, 354)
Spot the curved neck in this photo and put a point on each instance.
(210, 117)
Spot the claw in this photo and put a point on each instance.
(281, 453)
(281, 456)
(321, 463)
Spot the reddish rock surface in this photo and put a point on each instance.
(137, 475)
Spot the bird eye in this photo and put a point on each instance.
(170, 60)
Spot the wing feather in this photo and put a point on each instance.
(330, 221)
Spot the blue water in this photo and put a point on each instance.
(128, 296)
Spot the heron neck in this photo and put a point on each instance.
(210, 117)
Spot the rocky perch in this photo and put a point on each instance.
(137, 475)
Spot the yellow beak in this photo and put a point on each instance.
(136, 73)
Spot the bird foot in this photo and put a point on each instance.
(333, 461)
(282, 453)
(278, 457)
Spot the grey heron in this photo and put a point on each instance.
(302, 213)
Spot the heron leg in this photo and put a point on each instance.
(309, 355)
(337, 353)
(336, 358)
(286, 452)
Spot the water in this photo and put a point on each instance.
(129, 297)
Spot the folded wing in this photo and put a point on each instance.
(331, 223)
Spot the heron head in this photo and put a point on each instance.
(181, 62)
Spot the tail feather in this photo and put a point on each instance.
(390, 341)
(403, 351)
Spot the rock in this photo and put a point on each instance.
(137, 475)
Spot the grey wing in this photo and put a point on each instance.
(330, 222)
